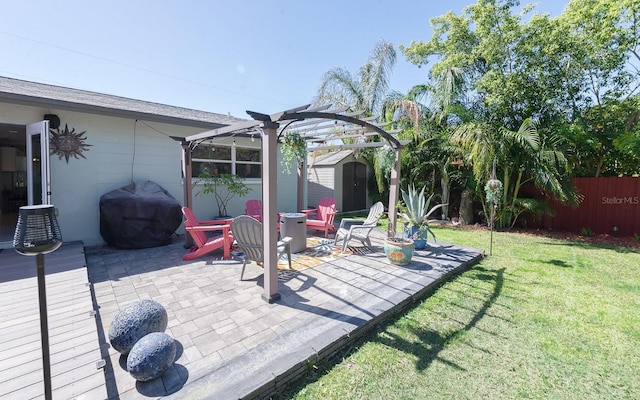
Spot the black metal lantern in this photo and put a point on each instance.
(38, 233)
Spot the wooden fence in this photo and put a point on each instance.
(610, 206)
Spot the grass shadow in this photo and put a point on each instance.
(559, 263)
(432, 343)
(428, 349)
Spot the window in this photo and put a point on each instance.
(216, 159)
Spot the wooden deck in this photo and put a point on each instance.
(74, 344)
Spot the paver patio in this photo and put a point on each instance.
(231, 343)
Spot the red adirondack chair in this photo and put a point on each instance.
(324, 216)
(254, 208)
(204, 244)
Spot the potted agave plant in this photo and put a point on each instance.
(416, 217)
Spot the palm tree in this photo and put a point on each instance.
(521, 156)
(435, 131)
(364, 91)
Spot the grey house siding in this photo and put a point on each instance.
(130, 141)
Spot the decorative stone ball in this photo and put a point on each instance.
(151, 356)
(135, 321)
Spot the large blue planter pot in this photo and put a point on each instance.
(399, 252)
(419, 237)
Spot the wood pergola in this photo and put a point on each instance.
(321, 127)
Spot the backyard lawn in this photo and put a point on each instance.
(541, 318)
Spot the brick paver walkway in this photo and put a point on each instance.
(231, 343)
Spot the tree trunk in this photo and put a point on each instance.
(444, 182)
(466, 207)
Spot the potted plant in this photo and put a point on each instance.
(294, 147)
(233, 184)
(399, 250)
(416, 217)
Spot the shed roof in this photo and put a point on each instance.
(25, 92)
(327, 159)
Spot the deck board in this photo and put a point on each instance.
(73, 336)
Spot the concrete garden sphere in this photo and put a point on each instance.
(151, 356)
(135, 321)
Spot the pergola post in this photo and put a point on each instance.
(188, 187)
(394, 189)
(270, 210)
(300, 194)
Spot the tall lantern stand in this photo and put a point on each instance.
(493, 189)
(37, 233)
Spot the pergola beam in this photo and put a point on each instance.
(315, 124)
(337, 130)
(337, 137)
(329, 126)
(234, 128)
(353, 146)
(395, 143)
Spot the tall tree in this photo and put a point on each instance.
(520, 156)
(365, 90)
(551, 73)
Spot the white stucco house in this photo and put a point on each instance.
(104, 142)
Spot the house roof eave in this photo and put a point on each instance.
(57, 97)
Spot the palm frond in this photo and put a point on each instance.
(376, 72)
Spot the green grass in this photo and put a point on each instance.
(539, 319)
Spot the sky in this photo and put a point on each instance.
(218, 56)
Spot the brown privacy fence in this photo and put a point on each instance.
(610, 206)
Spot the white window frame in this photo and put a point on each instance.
(233, 160)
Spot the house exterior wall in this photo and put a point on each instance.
(122, 151)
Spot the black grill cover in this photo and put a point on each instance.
(139, 215)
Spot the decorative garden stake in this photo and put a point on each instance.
(493, 188)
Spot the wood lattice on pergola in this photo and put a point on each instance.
(323, 129)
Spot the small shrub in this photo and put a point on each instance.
(586, 232)
(637, 237)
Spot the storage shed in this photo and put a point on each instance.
(339, 175)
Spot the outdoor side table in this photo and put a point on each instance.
(294, 225)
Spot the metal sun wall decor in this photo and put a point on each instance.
(68, 143)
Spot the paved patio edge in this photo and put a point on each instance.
(267, 370)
